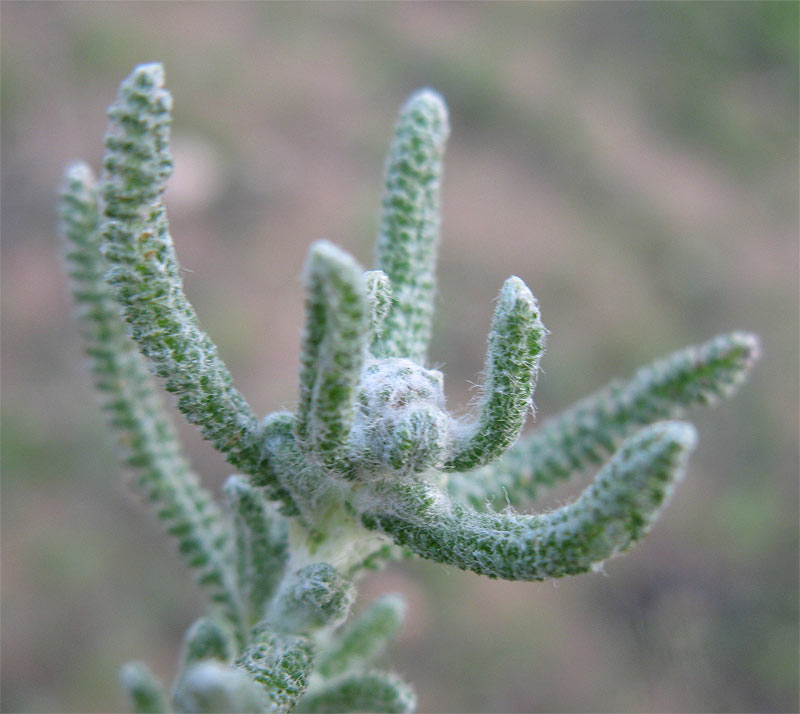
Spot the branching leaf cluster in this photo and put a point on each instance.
(371, 465)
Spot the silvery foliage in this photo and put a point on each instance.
(370, 466)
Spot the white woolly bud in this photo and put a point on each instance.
(401, 423)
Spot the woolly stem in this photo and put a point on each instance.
(594, 426)
(516, 342)
(333, 350)
(145, 275)
(409, 227)
(608, 517)
(261, 544)
(366, 692)
(147, 436)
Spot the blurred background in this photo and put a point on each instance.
(635, 163)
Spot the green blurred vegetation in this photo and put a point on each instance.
(635, 163)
